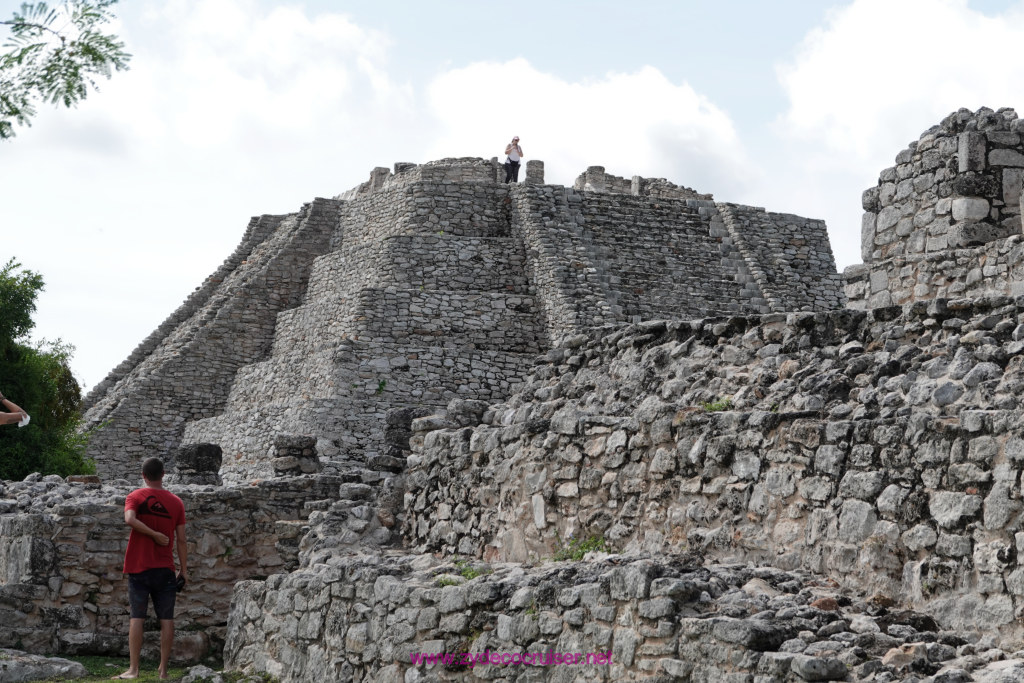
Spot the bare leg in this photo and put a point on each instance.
(166, 643)
(135, 627)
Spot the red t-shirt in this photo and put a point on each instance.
(161, 511)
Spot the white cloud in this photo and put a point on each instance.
(879, 66)
(870, 81)
(228, 110)
(631, 123)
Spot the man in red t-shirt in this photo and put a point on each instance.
(155, 515)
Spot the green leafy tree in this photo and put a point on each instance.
(55, 55)
(38, 378)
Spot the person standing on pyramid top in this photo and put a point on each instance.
(515, 154)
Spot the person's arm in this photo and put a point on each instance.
(132, 520)
(520, 150)
(508, 148)
(16, 415)
(182, 551)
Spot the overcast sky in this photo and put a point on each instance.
(235, 108)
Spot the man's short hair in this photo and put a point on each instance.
(153, 469)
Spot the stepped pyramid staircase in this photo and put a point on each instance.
(399, 314)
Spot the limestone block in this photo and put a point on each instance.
(870, 200)
(952, 545)
(919, 537)
(535, 172)
(1006, 157)
(856, 521)
(904, 189)
(968, 234)
(971, 151)
(950, 507)
(19, 666)
(975, 185)
(861, 485)
(879, 281)
(1013, 179)
(970, 208)
(880, 299)
(887, 218)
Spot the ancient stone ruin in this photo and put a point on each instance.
(442, 428)
(433, 283)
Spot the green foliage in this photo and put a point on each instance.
(717, 406)
(55, 55)
(447, 580)
(380, 386)
(103, 668)
(576, 548)
(36, 377)
(240, 677)
(18, 293)
(467, 571)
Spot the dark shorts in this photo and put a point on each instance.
(158, 583)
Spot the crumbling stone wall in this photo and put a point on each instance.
(945, 221)
(609, 618)
(881, 448)
(595, 179)
(367, 619)
(62, 549)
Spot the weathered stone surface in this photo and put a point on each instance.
(818, 668)
(946, 221)
(16, 667)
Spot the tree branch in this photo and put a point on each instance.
(29, 24)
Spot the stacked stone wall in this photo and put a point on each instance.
(367, 619)
(371, 335)
(994, 268)
(461, 170)
(657, 256)
(608, 618)
(953, 197)
(187, 376)
(62, 550)
(594, 179)
(882, 449)
(560, 264)
(789, 256)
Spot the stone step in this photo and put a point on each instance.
(445, 262)
(486, 320)
(370, 371)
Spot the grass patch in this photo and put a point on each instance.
(104, 668)
(576, 548)
(467, 572)
(717, 406)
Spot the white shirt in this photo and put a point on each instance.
(515, 154)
